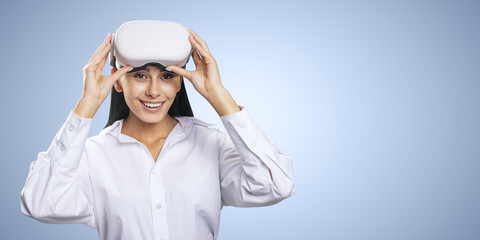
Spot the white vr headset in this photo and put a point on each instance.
(139, 42)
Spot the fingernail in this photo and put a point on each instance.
(130, 69)
(168, 69)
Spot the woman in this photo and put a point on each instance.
(155, 171)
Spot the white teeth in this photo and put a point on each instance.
(152, 105)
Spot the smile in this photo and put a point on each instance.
(152, 104)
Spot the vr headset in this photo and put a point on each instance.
(139, 42)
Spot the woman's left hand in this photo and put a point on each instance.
(206, 77)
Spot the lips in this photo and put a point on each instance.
(152, 105)
(150, 102)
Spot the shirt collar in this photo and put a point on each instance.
(184, 122)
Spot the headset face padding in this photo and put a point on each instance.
(139, 42)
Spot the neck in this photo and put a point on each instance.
(148, 132)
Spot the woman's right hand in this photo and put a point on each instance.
(96, 87)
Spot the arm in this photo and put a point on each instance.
(253, 171)
(58, 189)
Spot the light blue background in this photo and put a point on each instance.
(378, 103)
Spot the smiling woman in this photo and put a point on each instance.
(155, 171)
(119, 108)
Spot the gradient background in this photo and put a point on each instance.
(378, 102)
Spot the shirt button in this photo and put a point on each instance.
(62, 147)
(243, 125)
(159, 206)
(70, 128)
(254, 144)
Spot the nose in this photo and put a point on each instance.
(153, 90)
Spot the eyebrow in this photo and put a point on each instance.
(161, 71)
(146, 69)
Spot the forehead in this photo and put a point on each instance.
(150, 68)
(154, 69)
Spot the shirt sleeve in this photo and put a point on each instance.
(246, 158)
(58, 188)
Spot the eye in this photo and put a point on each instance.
(140, 75)
(168, 76)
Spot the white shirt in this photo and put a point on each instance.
(111, 183)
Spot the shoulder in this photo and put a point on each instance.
(202, 123)
(192, 122)
(198, 129)
(105, 136)
(210, 133)
(97, 141)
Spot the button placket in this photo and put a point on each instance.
(158, 203)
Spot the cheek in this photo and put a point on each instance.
(133, 89)
(176, 85)
(170, 89)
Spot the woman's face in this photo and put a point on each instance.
(144, 90)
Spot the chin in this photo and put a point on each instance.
(152, 119)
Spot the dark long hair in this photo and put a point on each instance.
(119, 108)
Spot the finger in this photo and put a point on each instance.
(196, 57)
(180, 71)
(101, 51)
(102, 55)
(104, 44)
(199, 39)
(199, 43)
(118, 74)
(98, 52)
(199, 48)
(199, 64)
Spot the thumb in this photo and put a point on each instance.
(122, 71)
(180, 71)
